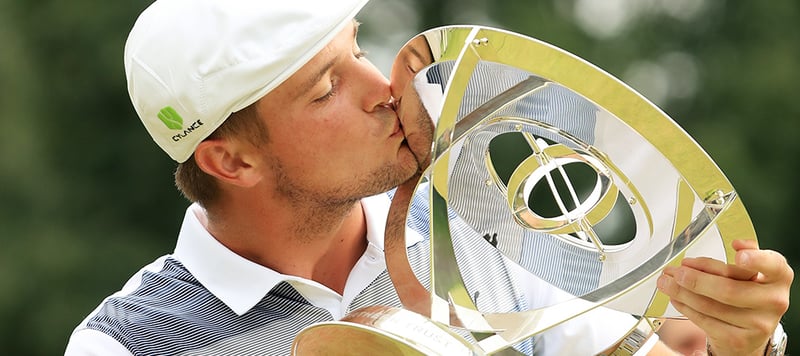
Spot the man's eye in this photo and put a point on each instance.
(360, 54)
(327, 95)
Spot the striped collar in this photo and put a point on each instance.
(241, 283)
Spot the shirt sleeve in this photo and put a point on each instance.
(90, 342)
(586, 334)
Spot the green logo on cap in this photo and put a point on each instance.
(170, 118)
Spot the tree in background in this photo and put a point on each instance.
(86, 199)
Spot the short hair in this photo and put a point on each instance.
(202, 188)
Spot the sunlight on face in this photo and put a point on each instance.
(334, 135)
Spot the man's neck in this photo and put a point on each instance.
(323, 248)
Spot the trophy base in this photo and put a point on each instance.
(380, 330)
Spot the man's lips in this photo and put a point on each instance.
(398, 128)
(398, 124)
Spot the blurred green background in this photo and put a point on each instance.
(86, 198)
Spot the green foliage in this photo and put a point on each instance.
(86, 198)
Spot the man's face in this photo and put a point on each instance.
(417, 123)
(333, 134)
(414, 56)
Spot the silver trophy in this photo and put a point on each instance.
(570, 174)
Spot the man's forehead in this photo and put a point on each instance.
(313, 71)
(350, 31)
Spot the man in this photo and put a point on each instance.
(683, 336)
(286, 137)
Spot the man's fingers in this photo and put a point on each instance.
(685, 283)
(738, 303)
(772, 266)
(721, 333)
(763, 266)
(719, 268)
(745, 245)
(716, 281)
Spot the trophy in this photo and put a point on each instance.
(561, 170)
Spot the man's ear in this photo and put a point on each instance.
(228, 161)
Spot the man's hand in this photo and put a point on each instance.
(738, 306)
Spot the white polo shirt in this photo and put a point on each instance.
(205, 299)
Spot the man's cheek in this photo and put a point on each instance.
(421, 139)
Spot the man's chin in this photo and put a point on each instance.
(420, 162)
(409, 170)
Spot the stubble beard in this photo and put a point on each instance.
(318, 209)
